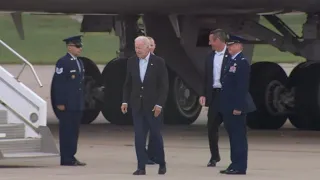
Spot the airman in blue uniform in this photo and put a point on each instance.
(235, 103)
(68, 100)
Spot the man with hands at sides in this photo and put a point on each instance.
(214, 66)
(235, 103)
(145, 91)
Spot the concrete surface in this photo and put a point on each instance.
(109, 152)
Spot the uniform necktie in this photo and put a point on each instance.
(78, 65)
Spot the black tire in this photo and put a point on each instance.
(262, 74)
(92, 81)
(306, 81)
(182, 105)
(114, 74)
(294, 80)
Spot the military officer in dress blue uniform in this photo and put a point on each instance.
(68, 100)
(235, 103)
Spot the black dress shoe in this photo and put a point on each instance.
(78, 163)
(234, 172)
(162, 170)
(212, 163)
(73, 163)
(139, 172)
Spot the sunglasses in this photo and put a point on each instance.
(76, 45)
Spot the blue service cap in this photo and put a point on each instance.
(74, 40)
(235, 39)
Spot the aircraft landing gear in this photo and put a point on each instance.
(267, 89)
(182, 105)
(278, 97)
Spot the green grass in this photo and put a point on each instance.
(272, 54)
(43, 40)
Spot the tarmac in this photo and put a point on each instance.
(109, 150)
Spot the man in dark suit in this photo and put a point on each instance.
(235, 103)
(214, 66)
(145, 91)
(68, 100)
(151, 147)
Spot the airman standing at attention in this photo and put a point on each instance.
(68, 100)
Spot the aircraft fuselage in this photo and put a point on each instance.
(159, 6)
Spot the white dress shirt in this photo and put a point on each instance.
(75, 58)
(218, 59)
(234, 56)
(143, 65)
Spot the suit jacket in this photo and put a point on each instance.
(235, 86)
(67, 84)
(208, 80)
(152, 91)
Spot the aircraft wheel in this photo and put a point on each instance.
(266, 79)
(294, 79)
(92, 91)
(182, 105)
(306, 82)
(114, 75)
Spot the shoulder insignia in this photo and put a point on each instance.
(59, 70)
(243, 58)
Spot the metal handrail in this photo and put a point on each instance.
(26, 62)
(21, 117)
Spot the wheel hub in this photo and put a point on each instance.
(92, 93)
(278, 98)
(186, 100)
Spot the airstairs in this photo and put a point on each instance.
(23, 117)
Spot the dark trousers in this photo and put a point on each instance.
(237, 130)
(143, 122)
(151, 150)
(213, 124)
(69, 124)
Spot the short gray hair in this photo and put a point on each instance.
(144, 39)
(149, 37)
(220, 34)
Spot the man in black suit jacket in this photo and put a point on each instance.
(151, 148)
(145, 91)
(214, 66)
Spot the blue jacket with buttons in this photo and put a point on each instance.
(67, 84)
(235, 86)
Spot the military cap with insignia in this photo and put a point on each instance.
(76, 40)
(234, 39)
